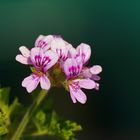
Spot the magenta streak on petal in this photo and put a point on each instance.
(37, 60)
(42, 43)
(83, 57)
(60, 53)
(47, 60)
(74, 71)
(75, 86)
(41, 63)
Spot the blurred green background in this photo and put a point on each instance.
(112, 28)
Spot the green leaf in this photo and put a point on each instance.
(4, 112)
(4, 95)
(47, 122)
(7, 111)
(65, 129)
(3, 127)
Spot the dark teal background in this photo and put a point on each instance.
(112, 28)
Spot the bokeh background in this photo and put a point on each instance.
(112, 28)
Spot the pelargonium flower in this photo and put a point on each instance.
(72, 68)
(79, 76)
(42, 42)
(41, 61)
(84, 51)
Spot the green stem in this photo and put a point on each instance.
(28, 115)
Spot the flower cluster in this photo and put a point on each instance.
(55, 62)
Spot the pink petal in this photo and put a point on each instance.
(53, 59)
(45, 82)
(86, 83)
(67, 64)
(27, 80)
(44, 41)
(95, 77)
(24, 51)
(37, 42)
(84, 50)
(34, 52)
(96, 69)
(86, 73)
(79, 95)
(20, 58)
(31, 82)
(72, 67)
(72, 96)
(71, 51)
(58, 45)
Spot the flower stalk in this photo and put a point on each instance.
(28, 115)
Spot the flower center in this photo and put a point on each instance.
(36, 72)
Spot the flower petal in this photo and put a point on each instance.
(95, 77)
(72, 96)
(53, 59)
(86, 83)
(86, 73)
(20, 58)
(84, 51)
(79, 95)
(45, 82)
(34, 52)
(31, 82)
(71, 51)
(67, 64)
(24, 51)
(44, 41)
(58, 45)
(72, 68)
(96, 69)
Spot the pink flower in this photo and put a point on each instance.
(72, 68)
(41, 61)
(41, 42)
(75, 89)
(84, 51)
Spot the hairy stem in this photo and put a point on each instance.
(30, 111)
